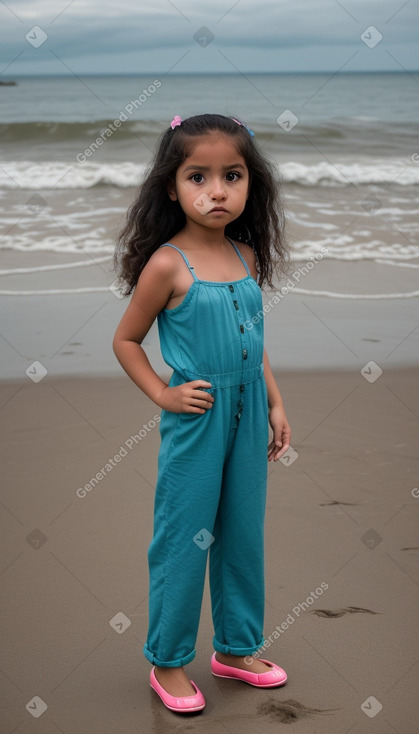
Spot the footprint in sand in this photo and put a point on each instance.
(289, 711)
(280, 712)
(332, 613)
(335, 502)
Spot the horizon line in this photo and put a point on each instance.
(207, 73)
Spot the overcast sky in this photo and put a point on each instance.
(143, 36)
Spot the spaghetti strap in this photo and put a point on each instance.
(168, 244)
(240, 256)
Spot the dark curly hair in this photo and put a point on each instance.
(153, 218)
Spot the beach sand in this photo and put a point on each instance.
(341, 561)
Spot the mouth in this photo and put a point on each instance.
(218, 209)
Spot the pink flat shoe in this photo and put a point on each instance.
(180, 704)
(270, 679)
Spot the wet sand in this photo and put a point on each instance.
(71, 333)
(341, 561)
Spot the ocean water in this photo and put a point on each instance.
(372, 115)
(346, 149)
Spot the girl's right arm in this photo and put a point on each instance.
(154, 288)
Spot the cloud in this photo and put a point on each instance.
(87, 30)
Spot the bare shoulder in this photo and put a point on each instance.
(164, 261)
(165, 278)
(248, 254)
(158, 276)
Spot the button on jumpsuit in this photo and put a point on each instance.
(212, 472)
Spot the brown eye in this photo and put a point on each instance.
(233, 173)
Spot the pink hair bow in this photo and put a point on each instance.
(176, 121)
(251, 133)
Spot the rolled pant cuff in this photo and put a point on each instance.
(168, 663)
(240, 651)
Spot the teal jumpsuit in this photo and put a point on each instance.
(212, 472)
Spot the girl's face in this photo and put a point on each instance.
(212, 184)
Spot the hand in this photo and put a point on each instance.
(189, 397)
(281, 433)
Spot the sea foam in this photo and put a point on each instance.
(72, 175)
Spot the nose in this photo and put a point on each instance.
(218, 190)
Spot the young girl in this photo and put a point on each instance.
(183, 253)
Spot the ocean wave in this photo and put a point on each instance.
(99, 247)
(357, 296)
(349, 249)
(344, 174)
(60, 175)
(57, 175)
(57, 132)
(300, 291)
(63, 266)
(56, 291)
(63, 244)
(337, 130)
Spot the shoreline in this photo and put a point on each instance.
(72, 334)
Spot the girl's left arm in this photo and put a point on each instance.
(278, 420)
